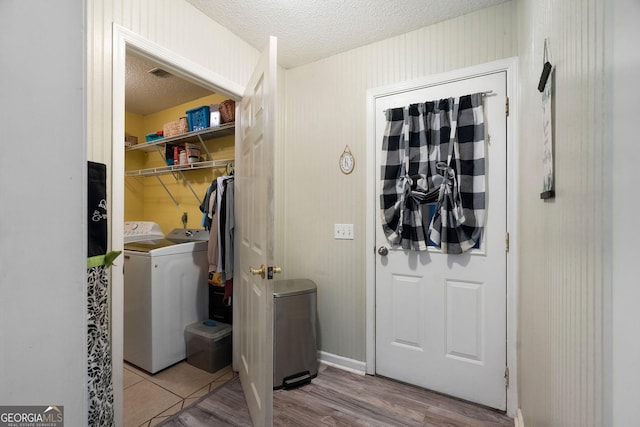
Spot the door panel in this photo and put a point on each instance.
(465, 320)
(441, 319)
(253, 322)
(407, 322)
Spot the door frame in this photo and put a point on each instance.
(510, 66)
(126, 40)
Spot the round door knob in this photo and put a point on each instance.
(258, 271)
(383, 250)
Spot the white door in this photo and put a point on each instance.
(253, 302)
(441, 319)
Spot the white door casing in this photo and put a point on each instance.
(440, 320)
(253, 302)
(123, 41)
(510, 66)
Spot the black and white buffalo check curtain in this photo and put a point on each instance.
(433, 152)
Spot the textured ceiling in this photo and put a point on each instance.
(307, 30)
(146, 93)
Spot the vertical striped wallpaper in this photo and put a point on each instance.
(173, 24)
(564, 241)
(325, 112)
(564, 254)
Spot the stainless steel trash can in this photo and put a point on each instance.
(295, 360)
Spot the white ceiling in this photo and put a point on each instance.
(307, 30)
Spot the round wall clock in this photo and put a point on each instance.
(347, 162)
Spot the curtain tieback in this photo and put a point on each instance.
(449, 188)
(406, 182)
(419, 196)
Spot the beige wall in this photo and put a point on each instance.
(564, 263)
(325, 111)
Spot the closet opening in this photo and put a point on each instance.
(165, 158)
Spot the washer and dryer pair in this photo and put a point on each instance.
(165, 290)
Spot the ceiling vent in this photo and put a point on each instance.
(159, 72)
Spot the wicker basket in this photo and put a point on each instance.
(130, 140)
(228, 111)
(176, 127)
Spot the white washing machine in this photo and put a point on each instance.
(165, 290)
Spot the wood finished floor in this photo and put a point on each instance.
(340, 398)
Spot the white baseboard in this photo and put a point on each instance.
(344, 363)
(518, 421)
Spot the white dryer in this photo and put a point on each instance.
(165, 290)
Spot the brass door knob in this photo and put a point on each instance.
(258, 271)
(383, 250)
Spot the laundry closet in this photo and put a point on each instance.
(155, 191)
(173, 159)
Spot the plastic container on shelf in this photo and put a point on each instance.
(154, 136)
(215, 115)
(199, 118)
(193, 152)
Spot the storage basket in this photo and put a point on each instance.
(198, 118)
(130, 140)
(228, 111)
(176, 127)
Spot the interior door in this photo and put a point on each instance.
(253, 304)
(441, 318)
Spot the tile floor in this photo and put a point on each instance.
(150, 399)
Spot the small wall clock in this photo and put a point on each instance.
(347, 162)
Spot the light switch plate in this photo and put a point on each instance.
(343, 231)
